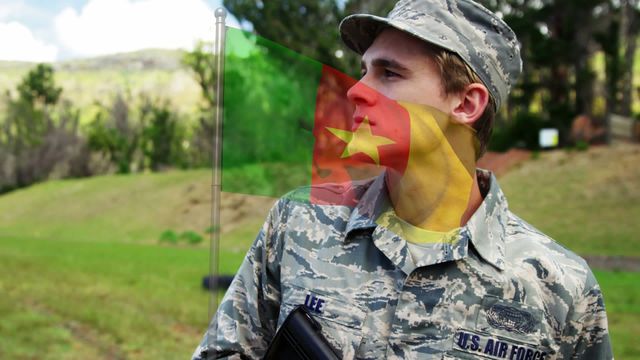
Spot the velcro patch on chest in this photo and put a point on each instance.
(496, 347)
(509, 318)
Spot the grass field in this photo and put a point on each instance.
(622, 299)
(588, 201)
(83, 274)
(73, 300)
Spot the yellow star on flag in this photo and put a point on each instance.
(361, 141)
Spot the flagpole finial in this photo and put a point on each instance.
(220, 13)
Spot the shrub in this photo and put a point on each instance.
(169, 236)
(191, 237)
(582, 145)
(211, 229)
(535, 155)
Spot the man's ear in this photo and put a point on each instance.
(473, 100)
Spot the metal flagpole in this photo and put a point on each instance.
(218, 53)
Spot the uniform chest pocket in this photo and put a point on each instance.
(341, 319)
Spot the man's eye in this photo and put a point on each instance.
(390, 74)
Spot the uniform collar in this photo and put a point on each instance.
(485, 229)
(371, 205)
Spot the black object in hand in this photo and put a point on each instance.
(299, 337)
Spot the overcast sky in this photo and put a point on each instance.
(45, 30)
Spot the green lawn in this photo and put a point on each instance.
(622, 299)
(73, 300)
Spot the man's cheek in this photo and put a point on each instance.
(423, 139)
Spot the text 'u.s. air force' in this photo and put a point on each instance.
(495, 347)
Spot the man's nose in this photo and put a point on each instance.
(362, 94)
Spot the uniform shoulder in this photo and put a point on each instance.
(519, 230)
(528, 247)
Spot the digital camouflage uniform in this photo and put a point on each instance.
(500, 289)
(497, 288)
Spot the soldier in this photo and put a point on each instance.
(430, 263)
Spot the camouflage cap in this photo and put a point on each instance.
(478, 36)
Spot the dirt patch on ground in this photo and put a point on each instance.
(84, 339)
(91, 339)
(240, 209)
(193, 208)
(501, 163)
(613, 263)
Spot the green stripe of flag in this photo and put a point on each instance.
(269, 104)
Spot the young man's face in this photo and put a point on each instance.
(399, 67)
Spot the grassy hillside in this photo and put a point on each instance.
(588, 201)
(83, 276)
(124, 209)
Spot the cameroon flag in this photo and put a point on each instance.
(290, 121)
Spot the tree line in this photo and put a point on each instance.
(41, 136)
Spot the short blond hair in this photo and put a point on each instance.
(456, 75)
